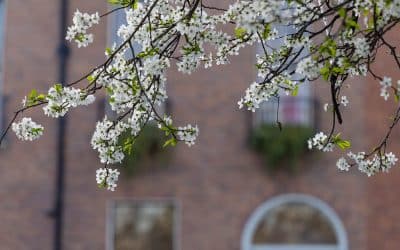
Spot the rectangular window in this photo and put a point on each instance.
(115, 20)
(293, 110)
(142, 225)
(298, 110)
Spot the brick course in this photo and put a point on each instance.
(218, 182)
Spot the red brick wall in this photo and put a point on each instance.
(384, 215)
(27, 170)
(218, 182)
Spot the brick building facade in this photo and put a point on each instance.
(215, 187)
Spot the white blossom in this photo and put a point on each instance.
(106, 177)
(376, 163)
(188, 134)
(105, 140)
(342, 164)
(386, 83)
(344, 101)
(60, 99)
(78, 31)
(159, 34)
(308, 68)
(27, 130)
(320, 142)
(326, 106)
(361, 47)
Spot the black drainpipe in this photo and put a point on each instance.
(63, 53)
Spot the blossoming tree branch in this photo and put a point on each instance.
(332, 41)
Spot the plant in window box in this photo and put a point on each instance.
(146, 151)
(281, 149)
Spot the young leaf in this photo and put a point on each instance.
(114, 1)
(343, 144)
(295, 91)
(240, 32)
(170, 142)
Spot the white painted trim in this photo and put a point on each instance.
(294, 247)
(110, 213)
(258, 214)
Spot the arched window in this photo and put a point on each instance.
(294, 222)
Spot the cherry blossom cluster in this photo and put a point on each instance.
(302, 42)
(368, 165)
(387, 86)
(107, 178)
(27, 130)
(78, 31)
(321, 142)
(105, 140)
(188, 134)
(60, 99)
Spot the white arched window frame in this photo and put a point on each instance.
(258, 215)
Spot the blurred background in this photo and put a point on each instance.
(244, 185)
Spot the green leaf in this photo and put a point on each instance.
(90, 78)
(240, 32)
(324, 71)
(267, 31)
(41, 97)
(343, 144)
(114, 1)
(295, 91)
(34, 98)
(135, 5)
(103, 184)
(148, 52)
(350, 23)
(32, 95)
(170, 142)
(58, 87)
(108, 51)
(125, 3)
(127, 145)
(79, 37)
(342, 12)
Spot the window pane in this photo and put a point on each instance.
(117, 19)
(294, 223)
(292, 110)
(144, 226)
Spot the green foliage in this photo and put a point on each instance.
(148, 52)
(34, 98)
(295, 91)
(240, 33)
(267, 31)
(143, 150)
(125, 3)
(343, 144)
(281, 149)
(195, 48)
